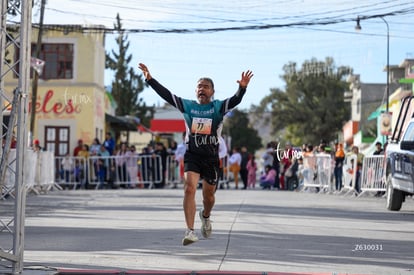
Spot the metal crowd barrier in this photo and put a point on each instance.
(349, 175)
(38, 176)
(127, 171)
(174, 172)
(317, 172)
(44, 172)
(70, 171)
(372, 174)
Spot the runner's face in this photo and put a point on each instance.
(204, 91)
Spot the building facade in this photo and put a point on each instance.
(71, 101)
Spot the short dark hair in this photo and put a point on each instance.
(208, 80)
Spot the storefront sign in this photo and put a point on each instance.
(49, 104)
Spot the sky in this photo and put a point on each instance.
(183, 40)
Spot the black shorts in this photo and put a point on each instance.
(207, 167)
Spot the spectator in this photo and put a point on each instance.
(251, 172)
(67, 169)
(179, 158)
(243, 166)
(360, 159)
(378, 149)
(285, 162)
(121, 164)
(301, 167)
(276, 163)
(103, 166)
(109, 143)
(291, 177)
(323, 167)
(94, 151)
(161, 167)
(36, 146)
(84, 173)
(234, 163)
(268, 155)
(309, 165)
(78, 148)
(146, 165)
(95, 147)
(339, 163)
(222, 159)
(132, 166)
(268, 179)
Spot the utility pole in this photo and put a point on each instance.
(36, 75)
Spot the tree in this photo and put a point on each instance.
(127, 85)
(237, 126)
(312, 107)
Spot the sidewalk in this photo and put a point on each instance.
(254, 232)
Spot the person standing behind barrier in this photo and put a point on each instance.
(84, 172)
(243, 169)
(339, 164)
(204, 121)
(309, 166)
(276, 163)
(222, 163)
(132, 166)
(268, 155)
(146, 166)
(78, 148)
(324, 164)
(67, 169)
(286, 162)
(103, 166)
(251, 171)
(179, 158)
(160, 164)
(109, 143)
(360, 159)
(378, 149)
(93, 151)
(120, 160)
(234, 164)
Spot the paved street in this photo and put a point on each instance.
(253, 230)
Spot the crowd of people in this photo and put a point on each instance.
(120, 165)
(111, 165)
(288, 168)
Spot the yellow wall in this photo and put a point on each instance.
(78, 102)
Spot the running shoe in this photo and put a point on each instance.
(189, 237)
(205, 225)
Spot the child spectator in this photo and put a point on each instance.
(268, 179)
(251, 172)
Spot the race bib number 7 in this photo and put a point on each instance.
(201, 125)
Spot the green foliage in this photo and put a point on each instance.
(312, 106)
(238, 127)
(127, 84)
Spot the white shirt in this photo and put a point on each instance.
(235, 158)
(222, 148)
(180, 151)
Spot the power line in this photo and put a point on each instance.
(321, 22)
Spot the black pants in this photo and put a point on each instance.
(243, 175)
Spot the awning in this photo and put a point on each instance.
(120, 123)
(376, 113)
(167, 125)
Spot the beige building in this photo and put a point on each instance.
(71, 100)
